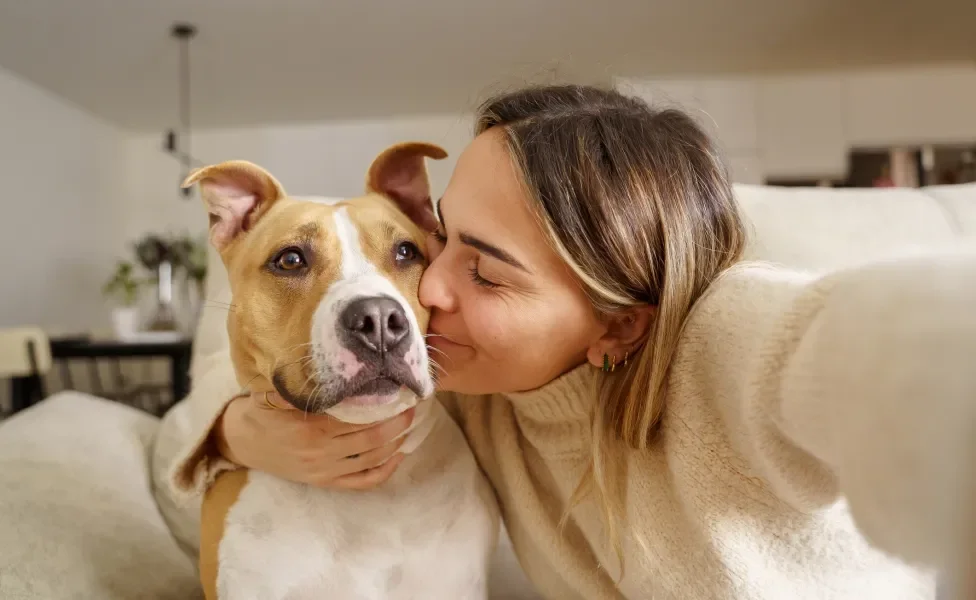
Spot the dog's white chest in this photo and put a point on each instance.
(430, 540)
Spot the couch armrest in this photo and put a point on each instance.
(77, 515)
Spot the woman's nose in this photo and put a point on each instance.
(435, 289)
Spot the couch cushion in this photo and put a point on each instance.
(77, 515)
(959, 203)
(823, 228)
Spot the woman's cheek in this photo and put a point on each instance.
(496, 328)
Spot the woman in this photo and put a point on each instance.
(658, 419)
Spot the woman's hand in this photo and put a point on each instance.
(265, 433)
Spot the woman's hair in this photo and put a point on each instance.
(638, 203)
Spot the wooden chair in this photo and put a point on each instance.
(25, 357)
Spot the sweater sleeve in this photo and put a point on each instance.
(190, 460)
(858, 385)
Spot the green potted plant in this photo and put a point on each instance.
(190, 256)
(123, 288)
(157, 254)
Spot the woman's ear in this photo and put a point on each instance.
(626, 331)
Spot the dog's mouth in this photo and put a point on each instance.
(389, 382)
(374, 392)
(367, 388)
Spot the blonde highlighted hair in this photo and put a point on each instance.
(639, 205)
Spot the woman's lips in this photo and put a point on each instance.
(440, 340)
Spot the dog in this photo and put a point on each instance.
(325, 313)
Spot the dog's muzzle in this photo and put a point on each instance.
(367, 349)
(376, 330)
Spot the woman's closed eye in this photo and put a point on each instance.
(478, 279)
(440, 239)
(439, 236)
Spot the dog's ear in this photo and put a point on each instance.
(237, 193)
(400, 174)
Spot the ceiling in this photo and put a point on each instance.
(260, 61)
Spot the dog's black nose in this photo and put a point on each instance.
(378, 322)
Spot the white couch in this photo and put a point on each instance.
(77, 516)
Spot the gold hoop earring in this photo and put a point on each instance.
(626, 354)
(613, 363)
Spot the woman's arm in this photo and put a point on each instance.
(220, 427)
(860, 384)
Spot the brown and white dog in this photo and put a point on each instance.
(325, 312)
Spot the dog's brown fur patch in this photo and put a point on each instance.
(217, 500)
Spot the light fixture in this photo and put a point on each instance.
(177, 144)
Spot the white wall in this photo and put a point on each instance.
(804, 125)
(61, 186)
(78, 192)
(797, 126)
(316, 158)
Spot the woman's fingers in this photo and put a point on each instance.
(319, 449)
(370, 459)
(375, 436)
(370, 478)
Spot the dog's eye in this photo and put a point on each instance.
(289, 259)
(407, 252)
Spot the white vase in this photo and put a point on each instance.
(125, 322)
(164, 318)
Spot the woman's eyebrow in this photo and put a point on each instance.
(483, 246)
(490, 250)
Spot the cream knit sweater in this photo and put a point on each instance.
(804, 416)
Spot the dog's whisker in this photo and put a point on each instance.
(430, 358)
(227, 308)
(219, 302)
(312, 400)
(438, 350)
(315, 399)
(307, 380)
(274, 367)
(208, 303)
(434, 365)
(244, 389)
(434, 375)
(303, 361)
(295, 347)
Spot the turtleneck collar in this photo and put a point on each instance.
(556, 417)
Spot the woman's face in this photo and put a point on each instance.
(506, 312)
